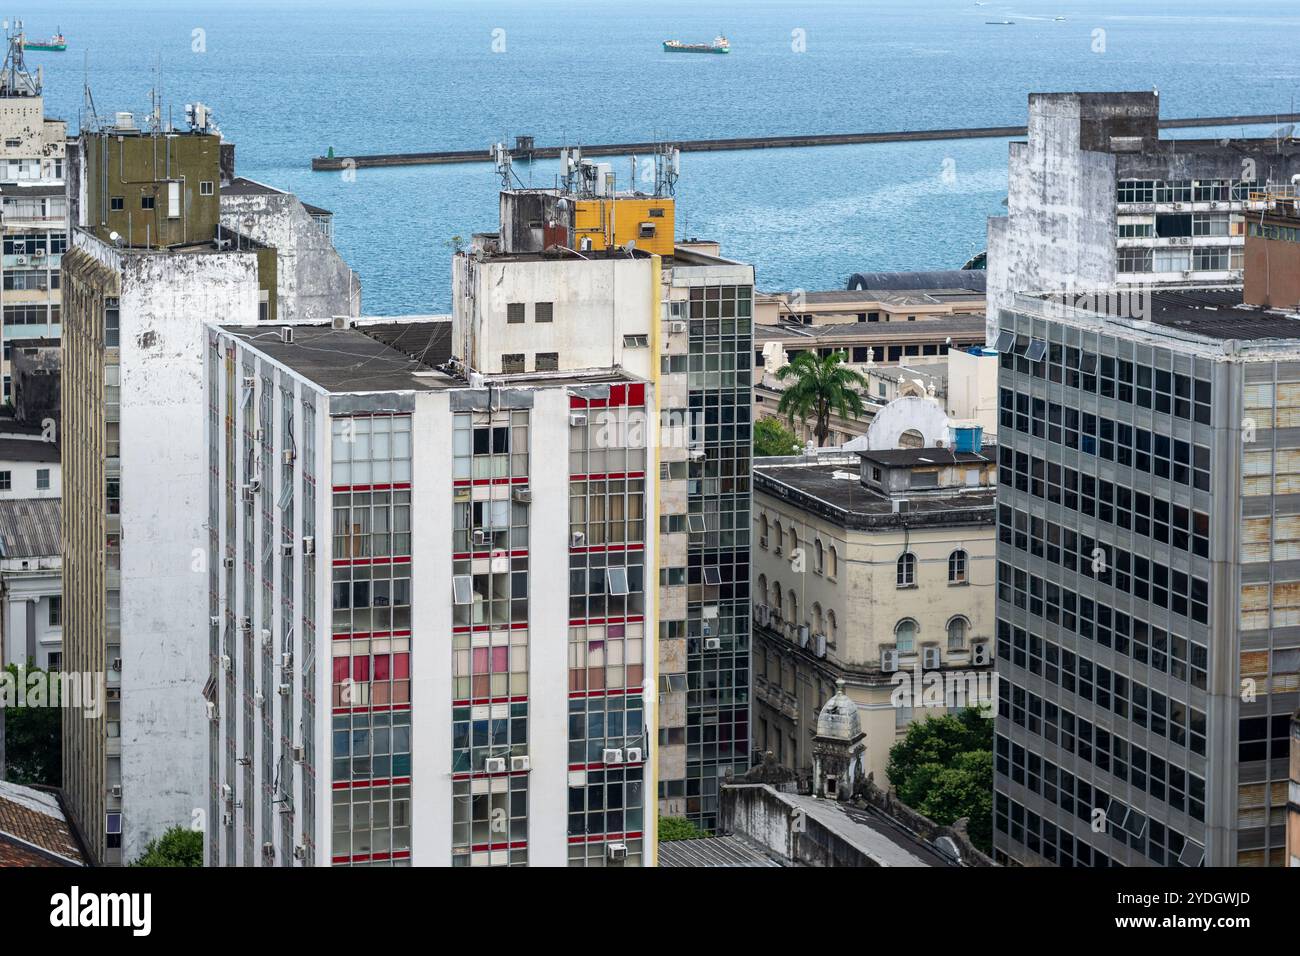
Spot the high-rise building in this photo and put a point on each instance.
(151, 262)
(1096, 199)
(432, 597)
(1148, 602)
(33, 207)
(530, 285)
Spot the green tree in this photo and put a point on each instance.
(678, 828)
(773, 438)
(33, 737)
(179, 846)
(943, 768)
(819, 387)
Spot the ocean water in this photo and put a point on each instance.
(289, 79)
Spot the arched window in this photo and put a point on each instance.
(905, 636)
(776, 597)
(761, 590)
(957, 567)
(762, 532)
(907, 570)
(821, 557)
(957, 629)
(780, 536)
(817, 621)
(793, 616)
(832, 563)
(794, 545)
(832, 627)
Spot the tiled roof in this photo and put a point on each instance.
(33, 829)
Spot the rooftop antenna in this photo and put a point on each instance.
(502, 159)
(668, 167)
(16, 80)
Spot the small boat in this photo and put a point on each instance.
(720, 44)
(1058, 19)
(55, 44)
(999, 23)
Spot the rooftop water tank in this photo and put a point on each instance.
(967, 437)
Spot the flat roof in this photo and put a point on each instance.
(959, 324)
(390, 355)
(835, 491)
(886, 296)
(29, 527)
(1211, 313)
(920, 457)
(242, 186)
(28, 449)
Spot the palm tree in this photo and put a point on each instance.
(821, 386)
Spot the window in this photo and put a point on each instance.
(832, 627)
(117, 203)
(6, 480)
(957, 629)
(512, 362)
(42, 479)
(832, 563)
(544, 312)
(616, 580)
(957, 567)
(515, 313)
(762, 532)
(207, 188)
(636, 341)
(547, 361)
(146, 202)
(907, 570)
(113, 830)
(110, 323)
(821, 557)
(54, 663)
(462, 586)
(905, 636)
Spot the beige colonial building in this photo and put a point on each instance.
(875, 568)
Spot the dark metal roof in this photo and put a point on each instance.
(1211, 313)
(428, 343)
(29, 527)
(973, 279)
(920, 457)
(28, 449)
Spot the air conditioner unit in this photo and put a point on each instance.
(246, 493)
(888, 659)
(268, 849)
(340, 323)
(254, 485)
(1178, 205)
(300, 852)
(214, 620)
(931, 659)
(266, 637)
(225, 662)
(286, 690)
(634, 755)
(286, 660)
(494, 765)
(115, 790)
(22, 260)
(225, 791)
(577, 419)
(245, 623)
(227, 819)
(522, 494)
(578, 539)
(677, 327)
(38, 254)
(803, 635)
(980, 654)
(520, 764)
(308, 545)
(227, 563)
(480, 537)
(611, 756)
(117, 664)
(286, 548)
(286, 335)
(820, 645)
(1214, 205)
(288, 455)
(298, 754)
(712, 643)
(616, 852)
(212, 710)
(259, 699)
(249, 381)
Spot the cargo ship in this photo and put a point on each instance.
(720, 44)
(55, 44)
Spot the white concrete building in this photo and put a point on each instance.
(398, 557)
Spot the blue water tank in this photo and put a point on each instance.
(968, 438)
